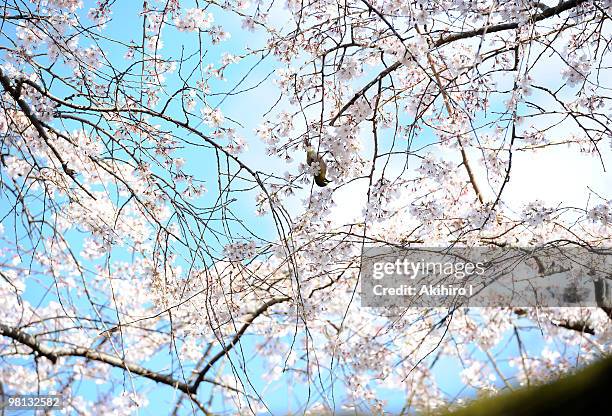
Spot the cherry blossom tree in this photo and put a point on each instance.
(162, 234)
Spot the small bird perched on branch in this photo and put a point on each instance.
(311, 157)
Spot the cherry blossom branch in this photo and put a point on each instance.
(445, 97)
(550, 12)
(450, 112)
(228, 347)
(53, 354)
(553, 11)
(15, 93)
(582, 327)
(276, 210)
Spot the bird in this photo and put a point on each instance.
(311, 157)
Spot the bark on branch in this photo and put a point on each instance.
(228, 347)
(54, 353)
(444, 40)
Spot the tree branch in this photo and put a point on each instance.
(54, 353)
(227, 348)
(444, 40)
